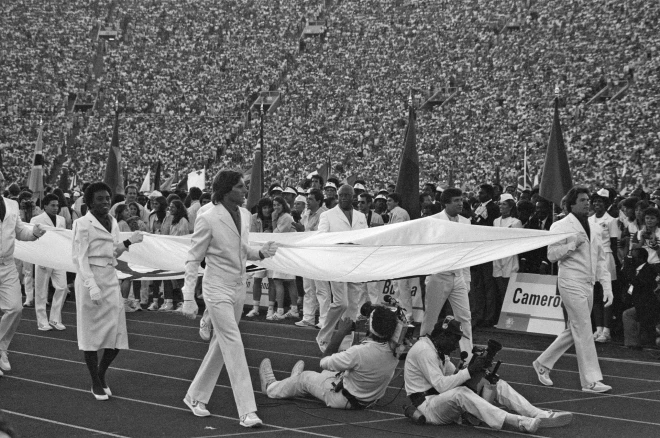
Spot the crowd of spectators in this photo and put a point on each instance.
(186, 72)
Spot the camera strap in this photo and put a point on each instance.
(420, 397)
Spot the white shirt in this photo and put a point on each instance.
(508, 265)
(609, 229)
(424, 370)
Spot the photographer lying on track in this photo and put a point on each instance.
(439, 395)
(353, 379)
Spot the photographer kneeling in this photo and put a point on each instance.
(353, 379)
(438, 392)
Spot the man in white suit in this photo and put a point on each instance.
(345, 296)
(582, 262)
(11, 307)
(49, 218)
(221, 236)
(449, 285)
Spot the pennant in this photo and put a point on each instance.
(556, 179)
(256, 178)
(197, 179)
(113, 170)
(407, 183)
(167, 184)
(183, 184)
(36, 180)
(157, 176)
(146, 185)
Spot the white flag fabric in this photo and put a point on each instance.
(197, 179)
(146, 184)
(419, 247)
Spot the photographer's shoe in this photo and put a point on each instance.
(542, 373)
(266, 375)
(529, 425)
(597, 387)
(298, 368)
(554, 419)
(251, 420)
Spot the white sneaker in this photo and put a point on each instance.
(303, 323)
(597, 387)
(136, 305)
(542, 373)
(4, 361)
(128, 307)
(166, 307)
(153, 306)
(251, 420)
(205, 330)
(529, 425)
(298, 368)
(554, 419)
(44, 328)
(197, 407)
(57, 325)
(603, 338)
(266, 375)
(277, 317)
(269, 315)
(252, 313)
(291, 314)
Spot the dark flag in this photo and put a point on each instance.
(256, 179)
(556, 178)
(36, 180)
(113, 172)
(183, 184)
(407, 183)
(64, 179)
(157, 176)
(324, 171)
(99, 66)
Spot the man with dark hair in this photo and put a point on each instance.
(195, 194)
(397, 214)
(353, 379)
(221, 237)
(316, 182)
(536, 261)
(438, 391)
(42, 274)
(450, 285)
(131, 196)
(364, 205)
(11, 228)
(317, 292)
(582, 262)
(484, 297)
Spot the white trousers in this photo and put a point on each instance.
(310, 301)
(318, 385)
(10, 302)
(27, 279)
(345, 297)
(578, 298)
(440, 288)
(58, 277)
(323, 296)
(446, 408)
(225, 306)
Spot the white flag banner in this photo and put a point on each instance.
(419, 247)
(146, 184)
(197, 179)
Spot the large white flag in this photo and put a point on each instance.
(419, 247)
(197, 179)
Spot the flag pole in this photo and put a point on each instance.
(261, 145)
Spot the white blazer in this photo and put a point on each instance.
(335, 220)
(226, 252)
(586, 263)
(12, 228)
(43, 219)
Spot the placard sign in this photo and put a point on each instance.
(532, 305)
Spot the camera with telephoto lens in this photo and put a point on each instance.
(488, 353)
(404, 330)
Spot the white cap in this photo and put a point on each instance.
(329, 185)
(506, 197)
(380, 197)
(155, 194)
(276, 189)
(290, 190)
(359, 186)
(300, 198)
(604, 193)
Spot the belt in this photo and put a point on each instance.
(354, 402)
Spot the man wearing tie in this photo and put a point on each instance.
(345, 296)
(581, 263)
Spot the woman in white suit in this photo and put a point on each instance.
(99, 305)
(221, 236)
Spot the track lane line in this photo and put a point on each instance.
(59, 423)
(224, 417)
